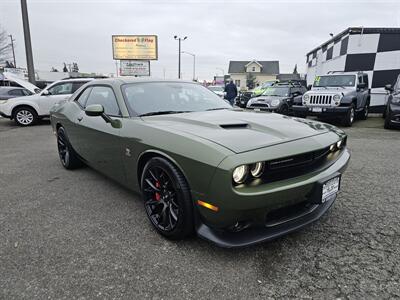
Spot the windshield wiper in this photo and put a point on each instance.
(164, 112)
(218, 108)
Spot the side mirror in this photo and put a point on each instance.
(361, 85)
(309, 87)
(46, 93)
(97, 110)
(94, 110)
(389, 87)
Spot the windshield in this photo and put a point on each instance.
(277, 91)
(216, 88)
(267, 84)
(150, 97)
(335, 80)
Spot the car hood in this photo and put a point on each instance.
(240, 131)
(24, 98)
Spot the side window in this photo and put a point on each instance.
(365, 80)
(61, 89)
(105, 96)
(27, 92)
(77, 85)
(16, 93)
(83, 97)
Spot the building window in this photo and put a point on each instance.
(253, 69)
(237, 82)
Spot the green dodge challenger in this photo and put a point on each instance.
(235, 178)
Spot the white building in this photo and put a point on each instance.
(262, 71)
(375, 51)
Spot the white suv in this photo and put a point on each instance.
(29, 109)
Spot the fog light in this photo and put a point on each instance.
(240, 174)
(257, 169)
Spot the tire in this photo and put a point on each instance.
(284, 110)
(387, 124)
(167, 199)
(348, 120)
(364, 112)
(68, 157)
(25, 116)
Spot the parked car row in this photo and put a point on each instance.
(29, 109)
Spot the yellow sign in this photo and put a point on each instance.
(135, 47)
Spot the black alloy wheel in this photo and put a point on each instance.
(167, 199)
(67, 155)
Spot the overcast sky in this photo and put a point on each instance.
(218, 31)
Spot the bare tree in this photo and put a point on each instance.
(5, 47)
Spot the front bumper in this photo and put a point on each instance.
(4, 115)
(325, 111)
(251, 208)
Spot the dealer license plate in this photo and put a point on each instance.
(317, 109)
(330, 188)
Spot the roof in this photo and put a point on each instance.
(357, 30)
(268, 67)
(129, 79)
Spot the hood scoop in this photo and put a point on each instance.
(235, 126)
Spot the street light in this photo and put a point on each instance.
(28, 43)
(194, 63)
(179, 55)
(12, 47)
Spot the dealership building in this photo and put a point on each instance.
(375, 51)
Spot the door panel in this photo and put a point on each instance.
(100, 145)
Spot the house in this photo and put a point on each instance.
(375, 51)
(262, 71)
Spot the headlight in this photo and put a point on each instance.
(257, 169)
(3, 101)
(395, 100)
(275, 102)
(336, 97)
(306, 97)
(240, 174)
(340, 143)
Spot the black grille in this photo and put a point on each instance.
(296, 165)
(262, 105)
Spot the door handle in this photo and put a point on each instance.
(79, 118)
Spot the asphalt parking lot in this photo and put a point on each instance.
(76, 234)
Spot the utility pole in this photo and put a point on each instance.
(12, 47)
(179, 54)
(28, 43)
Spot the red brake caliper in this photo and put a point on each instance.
(158, 196)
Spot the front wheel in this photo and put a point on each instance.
(69, 159)
(349, 118)
(388, 124)
(167, 199)
(25, 116)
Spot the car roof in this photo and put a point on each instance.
(126, 80)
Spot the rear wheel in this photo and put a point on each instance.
(69, 159)
(167, 199)
(349, 118)
(25, 116)
(364, 112)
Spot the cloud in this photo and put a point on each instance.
(218, 31)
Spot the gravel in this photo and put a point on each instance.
(76, 234)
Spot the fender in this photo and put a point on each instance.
(24, 103)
